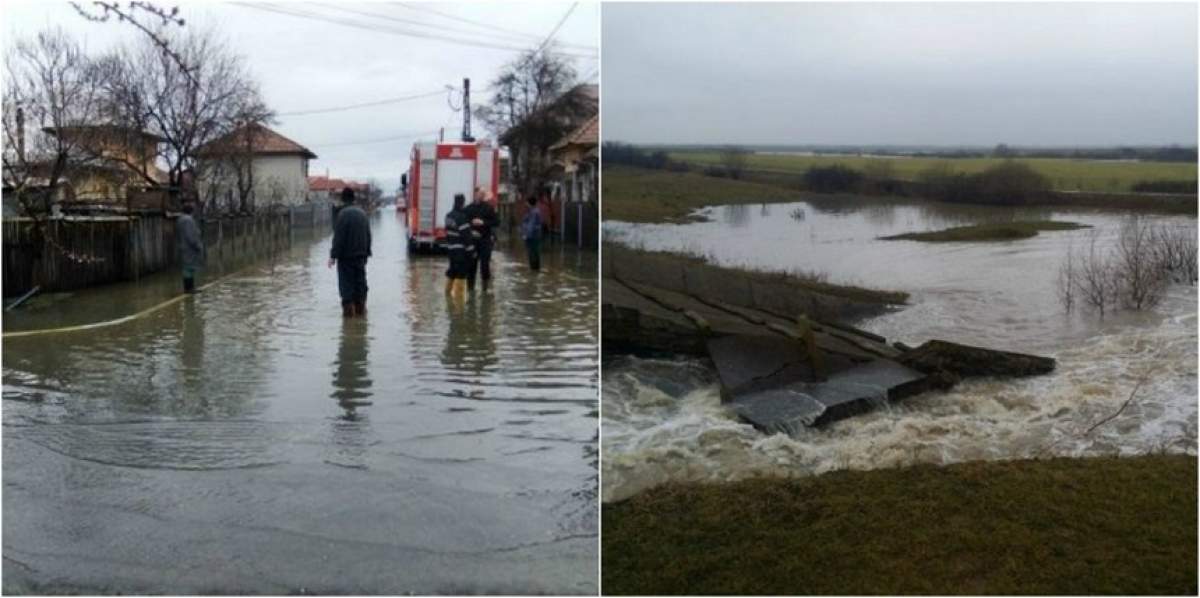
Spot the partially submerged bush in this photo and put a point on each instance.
(1132, 274)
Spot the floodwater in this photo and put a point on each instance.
(663, 420)
(251, 440)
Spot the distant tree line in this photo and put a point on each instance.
(1010, 182)
(615, 152)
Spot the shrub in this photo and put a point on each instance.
(1007, 183)
(1164, 187)
(832, 179)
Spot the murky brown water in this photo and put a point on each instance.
(663, 419)
(432, 446)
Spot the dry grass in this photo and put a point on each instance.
(1060, 526)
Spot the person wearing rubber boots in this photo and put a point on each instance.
(191, 247)
(350, 250)
(460, 248)
(483, 224)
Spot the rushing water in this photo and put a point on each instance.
(249, 439)
(663, 419)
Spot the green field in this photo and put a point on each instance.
(1064, 174)
(1050, 527)
(639, 195)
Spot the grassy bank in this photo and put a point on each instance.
(640, 195)
(1061, 526)
(991, 231)
(1064, 174)
(805, 281)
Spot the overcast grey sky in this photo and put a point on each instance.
(941, 74)
(305, 64)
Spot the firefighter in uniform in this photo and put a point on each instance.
(460, 246)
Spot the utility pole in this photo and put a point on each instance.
(466, 131)
(21, 134)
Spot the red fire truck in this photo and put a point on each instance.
(440, 170)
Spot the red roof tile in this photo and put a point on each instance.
(263, 140)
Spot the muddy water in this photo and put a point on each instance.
(250, 440)
(663, 419)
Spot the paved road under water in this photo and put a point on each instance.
(250, 440)
(664, 421)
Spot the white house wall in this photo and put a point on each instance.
(280, 180)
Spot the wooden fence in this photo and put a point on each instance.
(74, 252)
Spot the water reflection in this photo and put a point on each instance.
(351, 378)
(191, 355)
(470, 345)
(736, 215)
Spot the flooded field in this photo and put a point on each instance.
(663, 419)
(250, 440)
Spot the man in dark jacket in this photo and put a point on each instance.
(351, 248)
(531, 232)
(191, 247)
(483, 221)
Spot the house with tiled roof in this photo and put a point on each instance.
(326, 188)
(253, 167)
(121, 163)
(576, 159)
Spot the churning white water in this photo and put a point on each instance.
(663, 419)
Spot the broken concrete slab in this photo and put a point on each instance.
(748, 363)
(656, 303)
(787, 410)
(964, 361)
(807, 404)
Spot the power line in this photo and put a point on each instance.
(400, 137)
(506, 37)
(513, 32)
(366, 104)
(386, 29)
(557, 27)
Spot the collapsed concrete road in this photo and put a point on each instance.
(783, 357)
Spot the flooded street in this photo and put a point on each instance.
(663, 419)
(251, 440)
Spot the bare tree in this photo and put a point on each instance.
(1098, 277)
(1143, 278)
(1133, 273)
(1175, 252)
(189, 97)
(50, 93)
(535, 102)
(734, 159)
(1067, 282)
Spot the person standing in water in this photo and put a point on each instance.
(531, 232)
(460, 247)
(191, 247)
(483, 220)
(351, 248)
